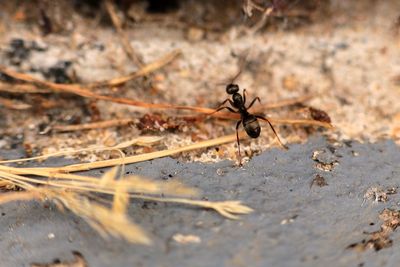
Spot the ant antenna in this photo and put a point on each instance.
(243, 62)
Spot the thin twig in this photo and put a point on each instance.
(13, 104)
(22, 89)
(222, 115)
(261, 23)
(93, 125)
(145, 70)
(111, 9)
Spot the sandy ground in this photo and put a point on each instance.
(348, 63)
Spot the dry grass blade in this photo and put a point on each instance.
(71, 191)
(227, 209)
(20, 196)
(133, 184)
(22, 89)
(145, 70)
(93, 125)
(106, 221)
(109, 176)
(141, 157)
(140, 141)
(72, 194)
(121, 199)
(15, 179)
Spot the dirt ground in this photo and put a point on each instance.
(344, 56)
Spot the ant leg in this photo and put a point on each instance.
(221, 104)
(273, 129)
(221, 108)
(226, 100)
(244, 96)
(254, 100)
(238, 142)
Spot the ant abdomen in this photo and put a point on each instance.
(251, 126)
(232, 89)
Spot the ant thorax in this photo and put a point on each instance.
(237, 100)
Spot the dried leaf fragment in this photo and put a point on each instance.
(319, 115)
(318, 180)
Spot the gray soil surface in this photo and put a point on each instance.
(296, 222)
(321, 203)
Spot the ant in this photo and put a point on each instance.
(249, 121)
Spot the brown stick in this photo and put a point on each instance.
(13, 104)
(145, 70)
(22, 89)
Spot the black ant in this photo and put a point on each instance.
(249, 121)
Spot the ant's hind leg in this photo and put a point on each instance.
(254, 100)
(238, 142)
(273, 129)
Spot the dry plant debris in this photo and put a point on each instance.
(284, 64)
(362, 104)
(77, 192)
(186, 239)
(380, 239)
(87, 93)
(318, 180)
(111, 9)
(319, 115)
(78, 261)
(379, 194)
(321, 164)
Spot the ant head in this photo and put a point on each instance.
(232, 89)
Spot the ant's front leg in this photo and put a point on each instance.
(221, 108)
(273, 129)
(223, 103)
(254, 100)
